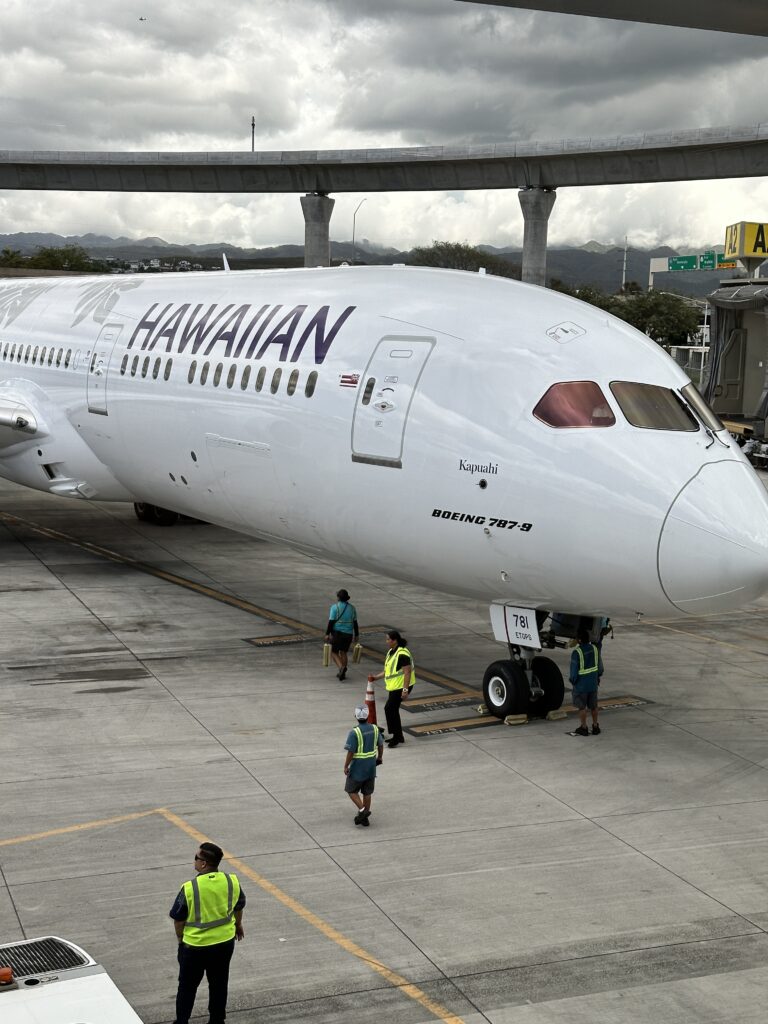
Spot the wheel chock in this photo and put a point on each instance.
(516, 720)
(482, 709)
(556, 716)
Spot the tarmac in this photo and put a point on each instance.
(163, 685)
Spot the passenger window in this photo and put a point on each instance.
(245, 378)
(5, 350)
(93, 361)
(293, 380)
(275, 380)
(652, 406)
(576, 403)
(370, 384)
(43, 350)
(26, 354)
(51, 354)
(156, 369)
(145, 366)
(231, 375)
(309, 387)
(260, 378)
(217, 375)
(13, 350)
(18, 354)
(59, 354)
(168, 368)
(67, 358)
(134, 366)
(192, 371)
(123, 365)
(204, 373)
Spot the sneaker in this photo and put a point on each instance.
(366, 814)
(342, 675)
(360, 819)
(365, 822)
(394, 743)
(581, 731)
(595, 730)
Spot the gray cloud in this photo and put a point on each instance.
(351, 73)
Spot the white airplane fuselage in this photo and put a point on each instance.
(437, 472)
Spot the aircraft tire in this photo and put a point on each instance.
(550, 679)
(142, 510)
(163, 516)
(505, 689)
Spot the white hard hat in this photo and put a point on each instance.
(361, 712)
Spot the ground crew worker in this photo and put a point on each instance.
(342, 626)
(399, 678)
(365, 749)
(586, 669)
(208, 917)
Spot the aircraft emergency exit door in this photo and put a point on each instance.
(98, 369)
(385, 396)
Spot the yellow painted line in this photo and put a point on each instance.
(162, 574)
(459, 723)
(396, 980)
(201, 588)
(77, 828)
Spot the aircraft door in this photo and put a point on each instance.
(98, 369)
(385, 396)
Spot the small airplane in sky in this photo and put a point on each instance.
(469, 433)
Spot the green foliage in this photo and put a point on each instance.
(458, 256)
(11, 258)
(668, 319)
(65, 257)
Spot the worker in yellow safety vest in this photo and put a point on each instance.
(365, 748)
(399, 677)
(208, 918)
(585, 672)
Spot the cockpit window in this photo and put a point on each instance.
(575, 403)
(693, 397)
(652, 406)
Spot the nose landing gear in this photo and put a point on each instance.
(526, 684)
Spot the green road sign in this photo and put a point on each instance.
(683, 262)
(707, 261)
(723, 263)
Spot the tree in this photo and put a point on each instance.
(66, 257)
(458, 256)
(666, 318)
(11, 258)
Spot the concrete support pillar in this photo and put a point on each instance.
(317, 208)
(537, 205)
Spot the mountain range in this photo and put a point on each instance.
(593, 263)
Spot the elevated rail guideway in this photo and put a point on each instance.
(536, 168)
(749, 17)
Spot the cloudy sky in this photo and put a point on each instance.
(321, 74)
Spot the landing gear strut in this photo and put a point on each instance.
(154, 514)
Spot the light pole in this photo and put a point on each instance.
(354, 215)
(253, 132)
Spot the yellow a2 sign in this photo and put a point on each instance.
(746, 240)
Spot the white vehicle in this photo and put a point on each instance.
(56, 982)
(472, 434)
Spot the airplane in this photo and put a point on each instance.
(469, 433)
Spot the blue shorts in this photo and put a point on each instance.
(584, 701)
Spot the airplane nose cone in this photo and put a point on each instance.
(713, 550)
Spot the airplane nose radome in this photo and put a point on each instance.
(713, 549)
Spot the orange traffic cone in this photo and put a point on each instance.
(370, 700)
